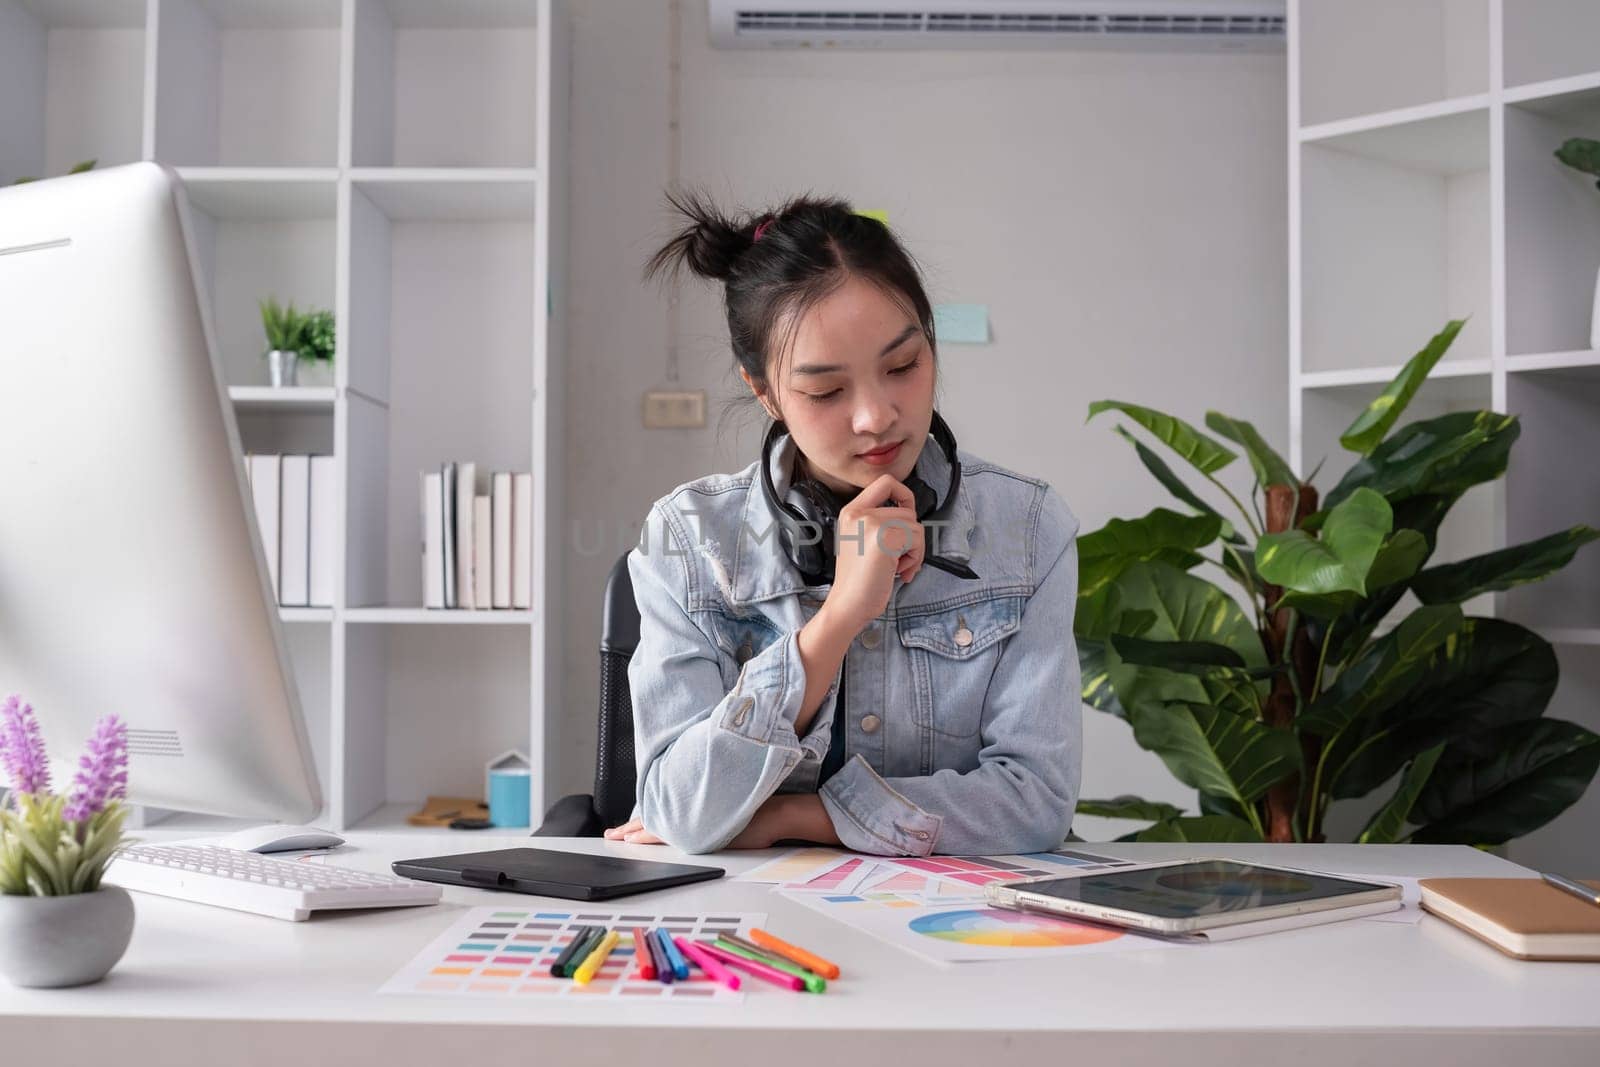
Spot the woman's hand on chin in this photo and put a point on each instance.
(634, 833)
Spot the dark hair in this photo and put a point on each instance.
(809, 247)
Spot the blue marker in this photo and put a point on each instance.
(680, 966)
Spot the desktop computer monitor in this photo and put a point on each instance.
(132, 578)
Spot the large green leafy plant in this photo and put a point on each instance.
(1309, 686)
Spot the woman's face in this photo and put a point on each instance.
(858, 380)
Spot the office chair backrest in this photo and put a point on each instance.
(614, 773)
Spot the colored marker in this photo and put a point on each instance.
(591, 964)
(759, 970)
(812, 982)
(558, 969)
(641, 955)
(663, 968)
(680, 966)
(706, 963)
(810, 961)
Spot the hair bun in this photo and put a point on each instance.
(708, 245)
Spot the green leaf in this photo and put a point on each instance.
(1444, 456)
(1488, 675)
(1384, 674)
(1420, 513)
(1128, 806)
(1175, 655)
(1216, 751)
(1351, 537)
(1162, 534)
(1175, 485)
(1206, 455)
(79, 168)
(1385, 825)
(1201, 828)
(1095, 663)
(1493, 571)
(1372, 424)
(1269, 467)
(1506, 783)
(1581, 153)
(1396, 561)
(1187, 608)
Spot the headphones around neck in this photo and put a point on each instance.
(806, 530)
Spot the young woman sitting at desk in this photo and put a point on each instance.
(865, 637)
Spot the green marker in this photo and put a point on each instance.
(814, 983)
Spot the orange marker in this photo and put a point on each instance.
(810, 961)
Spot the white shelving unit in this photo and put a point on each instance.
(403, 162)
(1422, 187)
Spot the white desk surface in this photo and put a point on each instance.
(208, 985)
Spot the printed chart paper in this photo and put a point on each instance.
(507, 952)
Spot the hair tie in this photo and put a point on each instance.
(761, 228)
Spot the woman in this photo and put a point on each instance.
(801, 674)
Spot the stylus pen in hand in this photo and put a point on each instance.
(1577, 889)
(950, 566)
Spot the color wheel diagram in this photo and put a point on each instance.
(1010, 929)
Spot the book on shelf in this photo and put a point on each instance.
(477, 548)
(295, 501)
(501, 505)
(432, 539)
(466, 492)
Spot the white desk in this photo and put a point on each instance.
(208, 986)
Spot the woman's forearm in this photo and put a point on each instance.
(823, 642)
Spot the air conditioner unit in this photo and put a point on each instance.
(1253, 25)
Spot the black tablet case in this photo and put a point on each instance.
(546, 873)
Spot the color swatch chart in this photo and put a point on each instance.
(507, 952)
(979, 871)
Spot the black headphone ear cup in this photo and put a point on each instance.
(812, 546)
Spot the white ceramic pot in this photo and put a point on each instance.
(47, 942)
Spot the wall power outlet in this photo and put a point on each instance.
(664, 410)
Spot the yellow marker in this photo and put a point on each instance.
(591, 963)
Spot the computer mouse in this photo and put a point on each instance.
(276, 837)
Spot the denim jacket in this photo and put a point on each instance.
(964, 729)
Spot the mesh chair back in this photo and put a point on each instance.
(614, 773)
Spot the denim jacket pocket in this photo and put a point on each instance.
(953, 654)
(740, 639)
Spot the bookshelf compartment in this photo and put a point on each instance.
(1469, 529)
(441, 341)
(428, 706)
(1551, 486)
(1408, 52)
(248, 83)
(1396, 242)
(260, 237)
(1552, 225)
(71, 85)
(1546, 39)
(419, 68)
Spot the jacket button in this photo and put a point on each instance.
(963, 637)
(870, 724)
(870, 637)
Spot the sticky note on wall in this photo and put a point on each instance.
(965, 324)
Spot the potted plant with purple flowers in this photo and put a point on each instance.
(58, 925)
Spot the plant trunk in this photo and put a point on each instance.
(1286, 508)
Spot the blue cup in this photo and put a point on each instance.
(508, 796)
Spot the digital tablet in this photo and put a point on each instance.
(546, 873)
(1187, 896)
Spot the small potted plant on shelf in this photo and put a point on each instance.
(285, 328)
(316, 351)
(59, 926)
(1583, 154)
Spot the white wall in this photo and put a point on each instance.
(1123, 215)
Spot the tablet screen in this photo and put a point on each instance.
(1204, 887)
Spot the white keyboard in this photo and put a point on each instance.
(249, 881)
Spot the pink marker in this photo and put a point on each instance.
(759, 970)
(704, 961)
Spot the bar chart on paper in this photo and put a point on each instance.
(507, 952)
